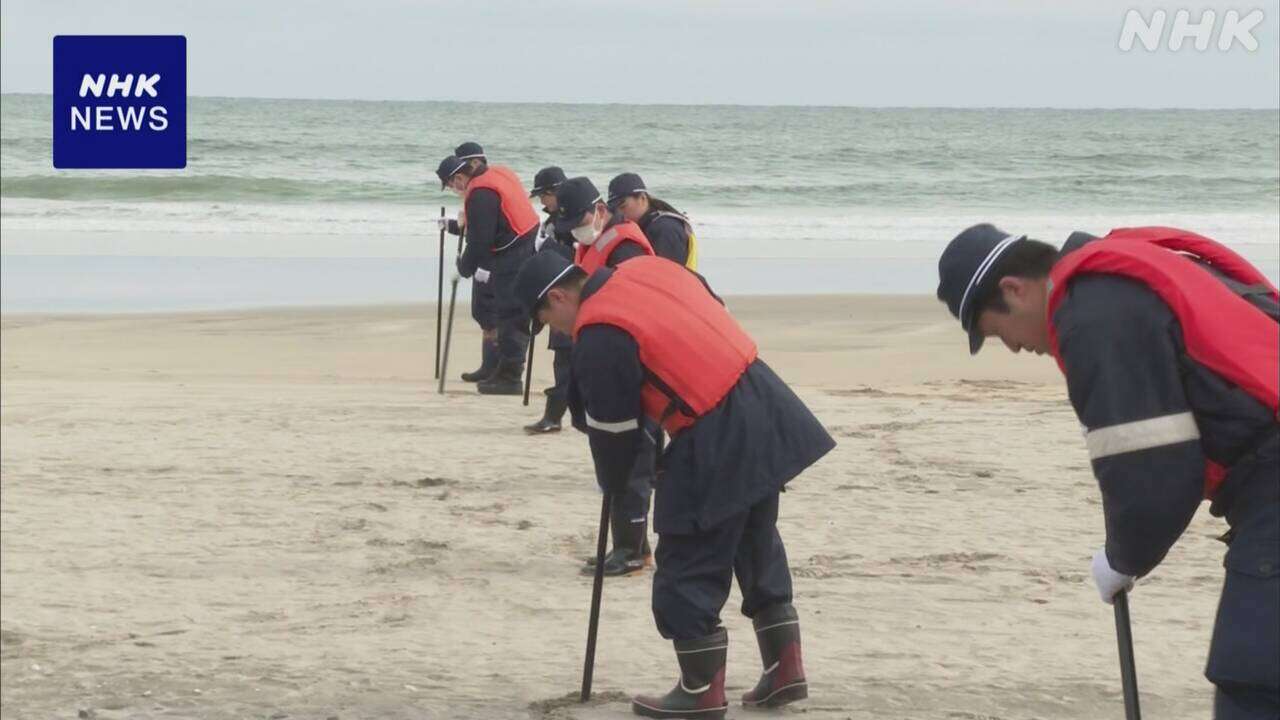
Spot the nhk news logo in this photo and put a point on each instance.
(119, 101)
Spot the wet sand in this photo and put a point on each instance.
(270, 514)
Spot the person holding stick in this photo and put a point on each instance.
(545, 184)
(653, 344)
(500, 229)
(606, 239)
(1170, 347)
(482, 296)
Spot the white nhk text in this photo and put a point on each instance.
(119, 117)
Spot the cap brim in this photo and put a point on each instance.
(976, 339)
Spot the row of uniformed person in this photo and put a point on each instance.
(592, 231)
(645, 348)
(1170, 348)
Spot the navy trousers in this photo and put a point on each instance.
(482, 300)
(630, 508)
(560, 364)
(1244, 656)
(695, 571)
(509, 318)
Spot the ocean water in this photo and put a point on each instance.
(784, 199)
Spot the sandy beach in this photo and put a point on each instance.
(272, 514)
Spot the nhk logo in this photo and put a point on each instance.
(100, 117)
(119, 101)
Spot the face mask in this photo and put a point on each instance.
(586, 234)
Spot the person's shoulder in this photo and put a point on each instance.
(666, 219)
(602, 348)
(1109, 303)
(603, 336)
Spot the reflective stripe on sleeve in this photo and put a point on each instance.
(1141, 435)
(613, 427)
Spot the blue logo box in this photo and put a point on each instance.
(120, 101)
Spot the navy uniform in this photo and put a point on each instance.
(500, 230)
(546, 182)
(1167, 424)
(654, 345)
(618, 242)
(668, 235)
(482, 297)
(668, 230)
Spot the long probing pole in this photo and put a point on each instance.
(448, 332)
(440, 294)
(1128, 674)
(597, 588)
(528, 371)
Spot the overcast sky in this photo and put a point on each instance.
(877, 53)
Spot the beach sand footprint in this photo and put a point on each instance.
(607, 705)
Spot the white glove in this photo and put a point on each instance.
(1109, 581)
(481, 275)
(442, 223)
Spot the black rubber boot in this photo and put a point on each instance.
(630, 553)
(488, 362)
(700, 691)
(551, 415)
(619, 562)
(506, 380)
(778, 634)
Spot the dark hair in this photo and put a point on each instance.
(615, 217)
(1029, 259)
(481, 166)
(662, 205)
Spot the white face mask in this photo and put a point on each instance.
(586, 234)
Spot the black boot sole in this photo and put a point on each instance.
(591, 561)
(507, 389)
(798, 690)
(708, 714)
(630, 570)
(540, 429)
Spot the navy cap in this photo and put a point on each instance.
(547, 180)
(964, 274)
(448, 168)
(469, 150)
(537, 275)
(574, 197)
(624, 185)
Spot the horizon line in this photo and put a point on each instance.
(715, 104)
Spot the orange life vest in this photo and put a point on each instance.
(1222, 330)
(693, 350)
(512, 198)
(596, 255)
